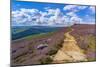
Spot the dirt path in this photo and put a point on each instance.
(70, 52)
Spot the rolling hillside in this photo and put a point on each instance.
(43, 48)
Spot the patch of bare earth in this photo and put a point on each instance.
(70, 52)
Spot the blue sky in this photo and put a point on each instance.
(52, 14)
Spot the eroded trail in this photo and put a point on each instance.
(70, 52)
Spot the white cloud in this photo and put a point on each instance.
(74, 8)
(75, 19)
(82, 7)
(69, 7)
(43, 13)
(71, 14)
(57, 12)
(50, 17)
(18, 17)
(51, 11)
(92, 9)
(29, 10)
(24, 16)
(58, 18)
(90, 18)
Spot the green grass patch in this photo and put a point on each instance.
(38, 35)
(92, 42)
(46, 60)
(52, 52)
(69, 29)
(91, 59)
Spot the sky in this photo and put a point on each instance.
(50, 14)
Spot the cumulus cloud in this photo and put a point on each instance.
(49, 17)
(82, 7)
(75, 20)
(51, 11)
(24, 15)
(57, 17)
(92, 9)
(69, 7)
(74, 8)
(36, 17)
(71, 14)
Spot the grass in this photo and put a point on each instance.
(88, 45)
(52, 52)
(20, 58)
(91, 59)
(46, 60)
(86, 42)
(56, 47)
(92, 46)
(92, 42)
(20, 30)
(31, 48)
(36, 36)
(69, 28)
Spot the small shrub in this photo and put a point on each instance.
(92, 42)
(46, 60)
(91, 59)
(69, 29)
(58, 44)
(31, 48)
(52, 52)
